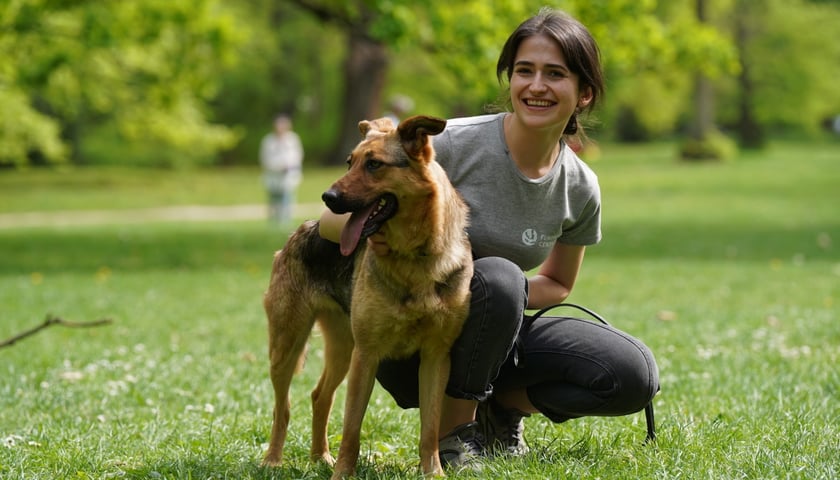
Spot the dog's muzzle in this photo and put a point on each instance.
(365, 219)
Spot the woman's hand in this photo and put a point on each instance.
(331, 225)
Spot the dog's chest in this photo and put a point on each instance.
(397, 321)
(400, 334)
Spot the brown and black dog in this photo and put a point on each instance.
(373, 306)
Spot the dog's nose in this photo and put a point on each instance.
(330, 197)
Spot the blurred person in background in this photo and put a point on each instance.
(281, 157)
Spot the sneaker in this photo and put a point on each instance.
(461, 447)
(501, 428)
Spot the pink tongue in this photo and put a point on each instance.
(352, 231)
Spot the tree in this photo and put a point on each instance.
(792, 64)
(704, 141)
(146, 67)
(365, 64)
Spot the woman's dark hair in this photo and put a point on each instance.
(578, 47)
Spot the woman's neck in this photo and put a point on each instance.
(533, 151)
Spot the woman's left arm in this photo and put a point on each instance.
(556, 276)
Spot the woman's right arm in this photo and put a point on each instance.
(331, 224)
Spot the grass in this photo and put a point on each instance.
(86, 188)
(730, 272)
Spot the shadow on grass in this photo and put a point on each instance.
(711, 241)
(167, 247)
(251, 245)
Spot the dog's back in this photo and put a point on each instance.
(310, 269)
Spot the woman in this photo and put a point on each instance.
(533, 203)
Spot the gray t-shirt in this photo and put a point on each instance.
(511, 215)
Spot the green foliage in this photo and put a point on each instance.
(188, 82)
(652, 61)
(149, 67)
(795, 65)
(642, 36)
(23, 129)
(289, 63)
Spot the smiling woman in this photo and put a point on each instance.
(553, 72)
(545, 95)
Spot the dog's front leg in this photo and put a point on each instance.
(434, 374)
(338, 348)
(359, 389)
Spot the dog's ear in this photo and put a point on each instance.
(414, 133)
(364, 127)
(382, 125)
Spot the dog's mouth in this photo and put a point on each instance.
(367, 221)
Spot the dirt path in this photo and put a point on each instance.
(186, 213)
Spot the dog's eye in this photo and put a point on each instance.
(373, 165)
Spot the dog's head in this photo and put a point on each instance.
(385, 166)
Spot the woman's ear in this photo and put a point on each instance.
(585, 97)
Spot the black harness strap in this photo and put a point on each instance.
(651, 424)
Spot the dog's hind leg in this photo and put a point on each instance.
(288, 334)
(338, 346)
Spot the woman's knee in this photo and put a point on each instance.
(499, 284)
(639, 377)
(499, 293)
(635, 377)
(576, 367)
(500, 273)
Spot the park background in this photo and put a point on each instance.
(129, 190)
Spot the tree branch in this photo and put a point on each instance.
(50, 321)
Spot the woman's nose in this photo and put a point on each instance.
(538, 85)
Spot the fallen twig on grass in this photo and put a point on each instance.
(50, 321)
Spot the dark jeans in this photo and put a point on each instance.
(568, 366)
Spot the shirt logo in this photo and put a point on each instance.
(530, 237)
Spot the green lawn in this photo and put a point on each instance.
(730, 272)
(83, 188)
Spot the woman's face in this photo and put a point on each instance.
(543, 91)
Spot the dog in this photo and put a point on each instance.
(373, 305)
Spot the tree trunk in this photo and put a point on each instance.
(750, 132)
(704, 141)
(704, 95)
(365, 70)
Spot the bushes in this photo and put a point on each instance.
(714, 146)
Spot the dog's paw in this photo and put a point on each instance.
(324, 458)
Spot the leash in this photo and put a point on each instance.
(651, 424)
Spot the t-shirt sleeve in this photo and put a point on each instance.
(586, 229)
